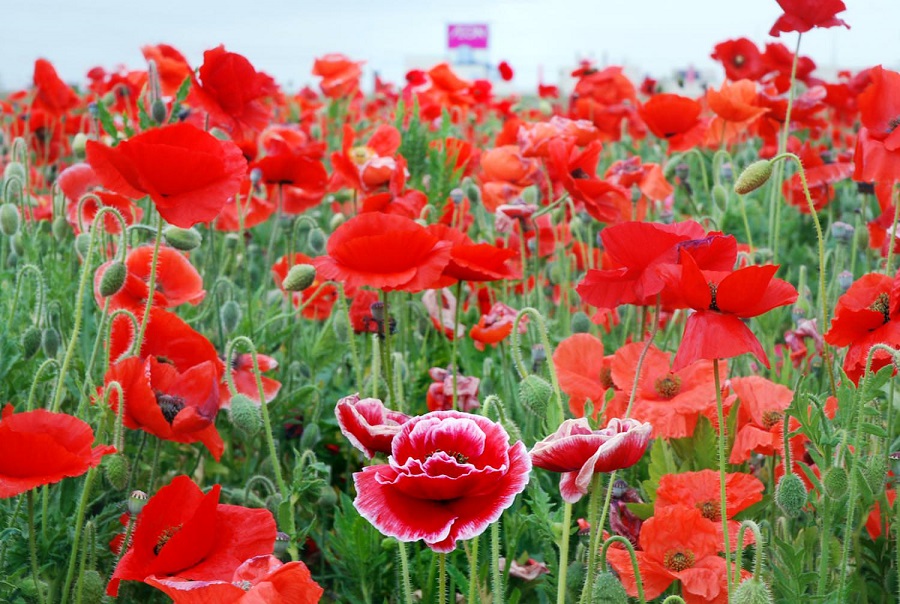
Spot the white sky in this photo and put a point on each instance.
(283, 37)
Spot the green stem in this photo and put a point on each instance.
(634, 563)
(404, 573)
(723, 512)
(32, 548)
(442, 578)
(596, 531)
(455, 341)
(499, 594)
(824, 548)
(386, 350)
(563, 553)
(474, 595)
(151, 288)
(548, 351)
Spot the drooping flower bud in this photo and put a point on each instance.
(31, 341)
(316, 241)
(535, 394)
(182, 239)
(299, 277)
(753, 177)
(93, 586)
(9, 219)
(231, 316)
(116, 469)
(581, 323)
(82, 243)
(836, 482)
(720, 196)
(14, 170)
(790, 494)
(752, 591)
(50, 342)
(60, 228)
(113, 279)
(245, 415)
(158, 111)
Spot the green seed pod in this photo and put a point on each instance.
(608, 590)
(9, 219)
(82, 243)
(752, 591)
(113, 278)
(60, 229)
(93, 586)
(79, 144)
(581, 323)
(50, 342)
(182, 239)
(753, 177)
(136, 502)
(317, 241)
(720, 196)
(158, 111)
(116, 469)
(535, 394)
(836, 482)
(790, 494)
(282, 541)
(31, 341)
(300, 277)
(875, 473)
(17, 244)
(231, 315)
(245, 415)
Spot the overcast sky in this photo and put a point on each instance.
(283, 37)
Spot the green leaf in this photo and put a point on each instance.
(106, 120)
(641, 510)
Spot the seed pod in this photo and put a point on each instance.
(113, 279)
(136, 502)
(753, 177)
(245, 415)
(282, 541)
(182, 239)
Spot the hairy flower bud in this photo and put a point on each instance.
(300, 277)
(875, 472)
(113, 279)
(231, 316)
(720, 196)
(60, 228)
(158, 111)
(93, 586)
(790, 494)
(245, 415)
(581, 323)
(50, 342)
(836, 482)
(753, 177)
(535, 394)
(316, 241)
(116, 469)
(9, 219)
(182, 239)
(608, 590)
(752, 591)
(82, 243)
(31, 341)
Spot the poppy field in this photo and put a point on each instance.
(433, 343)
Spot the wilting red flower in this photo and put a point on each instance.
(177, 281)
(494, 326)
(449, 476)
(172, 405)
(671, 401)
(182, 532)
(51, 93)
(579, 452)
(360, 311)
(531, 570)
(368, 424)
(819, 179)
(79, 179)
(258, 580)
(171, 65)
(760, 422)
(700, 490)
(441, 307)
(39, 447)
(384, 251)
(869, 313)
(340, 76)
(622, 520)
(740, 58)
(188, 173)
(877, 156)
(470, 261)
(721, 300)
(506, 72)
(676, 544)
(317, 302)
(440, 393)
(803, 15)
(674, 118)
(582, 370)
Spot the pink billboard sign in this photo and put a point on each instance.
(473, 35)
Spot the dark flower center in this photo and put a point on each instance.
(459, 457)
(713, 288)
(164, 538)
(771, 418)
(606, 377)
(893, 124)
(579, 174)
(739, 60)
(882, 304)
(668, 386)
(678, 561)
(710, 510)
(170, 405)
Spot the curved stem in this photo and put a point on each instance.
(760, 551)
(34, 382)
(634, 563)
(548, 351)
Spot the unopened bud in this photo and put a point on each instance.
(31, 341)
(182, 239)
(50, 342)
(581, 323)
(608, 590)
(93, 586)
(300, 277)
(790, 494)
(317, 239)
(60, 229)
(14, 170)
(79, 144)
(9, 219)
(231, 316)
(336, 220)
(82, 243)
(115, 468)
(752, 591)
(158, 111)
(113, 278)
(836, 482)
(753, 177)
(17, 244)
(136, 502)
(875, 473)
(720, 196)
(472, 192)
(245, 415)
(535, 394)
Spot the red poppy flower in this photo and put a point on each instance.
(676, 544)
(803, 15)
(506, 72)
(819, 179)
(368, 424)
(248, 209)
(740, 58)
(760, 423)
(258, 580)
(177, 281)
(877, 156)
(470, 261)
(230, 90)
(671, 401)
(384, 251)
(340, 76)
(875, 524)
(721, 300)
(735, 102)
(360, 311)
(440, 392)
(494, 326)
(188, 173)
(868, 313)
(241, 367)
(575, 170)
(449, 476)
(172, 67)
(182, 532)
(582, 370)
(51, 93)
(579, 452)
(171, 405)
(287, 164)
(674, 118)
(39, 447)
(647, 177)
(700, 490)
(318, 302)
(79, 179)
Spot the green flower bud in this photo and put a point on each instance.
(136, 502)
(752, 591)
(113, 278)
(15, 170)
(336, 221)
(29, 588)
(60, 229)
(50, 341)
(720, 196)
(116, 469)
(327, 498)
(31, 341)
(317, 240)
(17, 244)
(875, 473)
(245, 415)
(82, 242)
(388, 544)
(9, 219)
(608, 590)
(753, 177)
(472, 192)
(158, 111)
(535, 394)
(790, 494)
(300, 277)
(182, 239)
(530, 195)
(339, 326)
(310, 438)
(79, 144)
(836, 482)
(231, 315)
(581, 323)
(93, 586)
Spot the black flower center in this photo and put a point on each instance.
(164, 538)
(678, 561)
(713, 288)
(771, 418)
(606, 377)
(170, 405)
(882, 304)
(710, 510)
